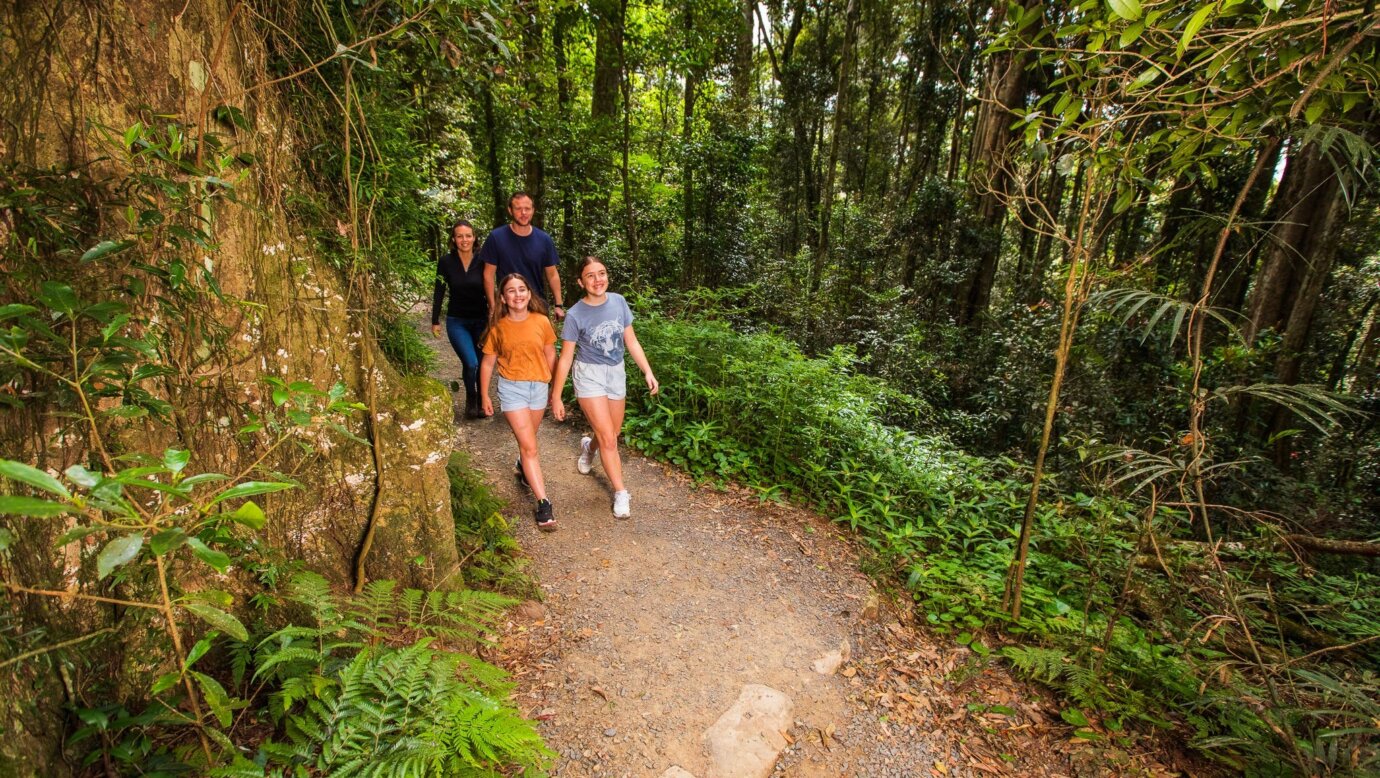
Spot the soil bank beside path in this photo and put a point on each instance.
(651, 627)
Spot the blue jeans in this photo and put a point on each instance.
(465, 336)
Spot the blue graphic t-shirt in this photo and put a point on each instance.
(597, 330)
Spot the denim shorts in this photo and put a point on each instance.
(522, 395)
(592, 380)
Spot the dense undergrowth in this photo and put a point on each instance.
(1125, 612)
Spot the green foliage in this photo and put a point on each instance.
(751, 408)
(405, 348)
(484, 537)
(352, 703)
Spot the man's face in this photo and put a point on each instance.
(521, 210)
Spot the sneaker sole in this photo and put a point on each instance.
(549, 526)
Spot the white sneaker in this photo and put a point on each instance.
(586, 462)
(621, 509)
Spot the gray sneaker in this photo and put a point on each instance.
(621, 507)
(585, 463)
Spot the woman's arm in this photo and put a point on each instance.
(635, 348)
(558, 380)
(437, 295)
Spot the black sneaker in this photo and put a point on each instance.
(546, 522)
(519, 475)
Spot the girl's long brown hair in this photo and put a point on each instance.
(534, 303)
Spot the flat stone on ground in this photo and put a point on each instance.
(746, 740)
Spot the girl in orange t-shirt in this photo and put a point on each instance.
(522, 343)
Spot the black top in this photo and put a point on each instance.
(467, 300)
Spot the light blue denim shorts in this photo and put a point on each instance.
(522, 395)
(592, 380)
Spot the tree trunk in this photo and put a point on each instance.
(558, 33)
(1298, 238)
(629, 220)
(826, 200)
(740, 69)
(533, 163)
(989, 176)
(687, 131)
(495, 172)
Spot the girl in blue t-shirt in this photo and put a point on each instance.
(598, 329)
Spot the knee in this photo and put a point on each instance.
(607, 439)
(528, 450)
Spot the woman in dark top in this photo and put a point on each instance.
(463, 276)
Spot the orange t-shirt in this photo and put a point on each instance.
(521, 347)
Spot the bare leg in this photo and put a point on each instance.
(525, 424)
(606, 417)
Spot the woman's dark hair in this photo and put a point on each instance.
(450, 236)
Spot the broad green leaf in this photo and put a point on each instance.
(75, 534)
(176, 459)
(13, 505)
(18, 471)
(1131, 33)
(1274, 5)
(216, 698)
(82, 477)
(116, 324)
(132, 134)
(167, 540)
(217, 559)
(1314, 111)
(203, 478)
(15, 309)
(165, 682)
(1126, 9)
(1075, 717)
(117, 552)
(1195, 23)
(199, 650)
(250, 515)
(105, 248)
(219, 619)
(250, 488)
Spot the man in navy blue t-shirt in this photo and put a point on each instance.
(520, 247)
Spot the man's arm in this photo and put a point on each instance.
(553, 279)
(490, 271)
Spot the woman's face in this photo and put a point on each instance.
(594, 279)
(463, 237)
(515, 295)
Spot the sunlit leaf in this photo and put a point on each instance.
(250, 488)
(118, 552)
(15, 505)
(218, 618)
(217, 559)
(250, 515)
(18, 471)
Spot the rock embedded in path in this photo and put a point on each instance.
(746, 740)
(675, 771)
(832, 661)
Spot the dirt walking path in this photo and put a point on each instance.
(651, 628)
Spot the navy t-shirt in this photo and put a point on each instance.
(530, 256)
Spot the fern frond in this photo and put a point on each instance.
(1126, 303)
(1313, 404)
